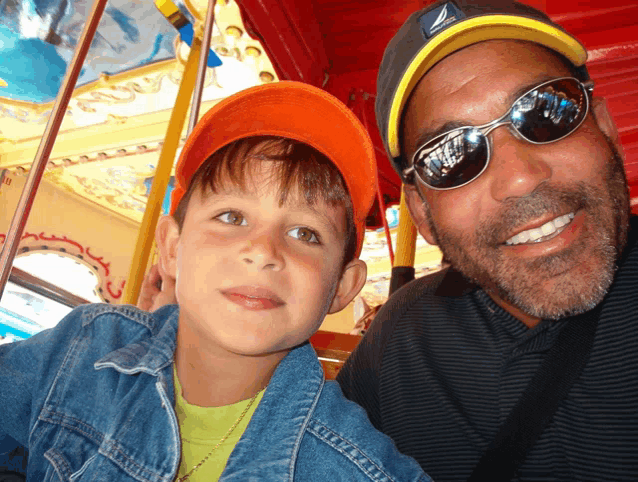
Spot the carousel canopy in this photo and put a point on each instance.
(116, 121)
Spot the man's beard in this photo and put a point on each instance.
(579, 276)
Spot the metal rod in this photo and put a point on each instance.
(202, 65)
(46, 144)
(46, 289)
(386, 228)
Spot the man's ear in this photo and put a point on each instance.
(418, 208)
(605, 121)
(352, 280)
(166, 237)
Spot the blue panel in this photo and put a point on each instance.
(38, 39)
(16, 326)
(166, 204)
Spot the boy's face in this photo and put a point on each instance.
(254, 277)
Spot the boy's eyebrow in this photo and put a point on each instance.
(299, 205)
(327, 221)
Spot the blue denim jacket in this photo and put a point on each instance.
(92, 399)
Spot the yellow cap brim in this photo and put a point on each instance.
(469, 32)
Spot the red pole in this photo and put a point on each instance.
(364, 97)
(46, 144)
(385, 224)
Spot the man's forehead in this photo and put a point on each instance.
(492, 73)
(517, 59)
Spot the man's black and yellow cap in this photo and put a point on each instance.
(444, 27)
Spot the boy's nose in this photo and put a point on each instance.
(262, 252)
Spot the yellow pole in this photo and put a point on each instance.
(406, 237)
(162, 176)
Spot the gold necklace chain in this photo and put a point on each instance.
(223, 439)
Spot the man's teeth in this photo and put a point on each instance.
(536, 235)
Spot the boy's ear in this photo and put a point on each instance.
(352, 280)
(418, 212)
(166, 237)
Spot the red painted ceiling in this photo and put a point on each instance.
(338, 45)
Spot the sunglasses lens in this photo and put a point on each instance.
(453, 159)
(550, 112)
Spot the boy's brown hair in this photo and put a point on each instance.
(299, 169)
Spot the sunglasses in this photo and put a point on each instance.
(547, 113)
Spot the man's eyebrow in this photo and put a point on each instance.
(428, 135)
(524, 89)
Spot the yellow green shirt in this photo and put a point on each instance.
(201, 428)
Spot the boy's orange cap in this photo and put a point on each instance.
(297, 111)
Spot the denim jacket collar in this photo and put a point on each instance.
(152, 354)
(274, 434)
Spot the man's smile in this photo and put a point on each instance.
(562, 232)
(542, 233)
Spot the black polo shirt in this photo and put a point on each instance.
(442, 365)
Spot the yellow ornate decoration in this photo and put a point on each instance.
(266, 77)
(253, 51)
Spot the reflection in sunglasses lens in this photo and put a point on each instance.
(454, 160)
(549, 113)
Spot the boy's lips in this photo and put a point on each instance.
(253, 297)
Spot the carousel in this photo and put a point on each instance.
(97, 99)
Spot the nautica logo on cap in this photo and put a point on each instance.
(442, 16)
(439, 18)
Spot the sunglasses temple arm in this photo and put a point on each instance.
(408, 172)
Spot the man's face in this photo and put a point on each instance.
(579, 179)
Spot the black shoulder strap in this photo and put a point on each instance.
(562, 365)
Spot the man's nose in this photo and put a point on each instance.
(517, 168)
(262, 251)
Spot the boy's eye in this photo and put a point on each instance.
(232, 217)
(304, 234)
